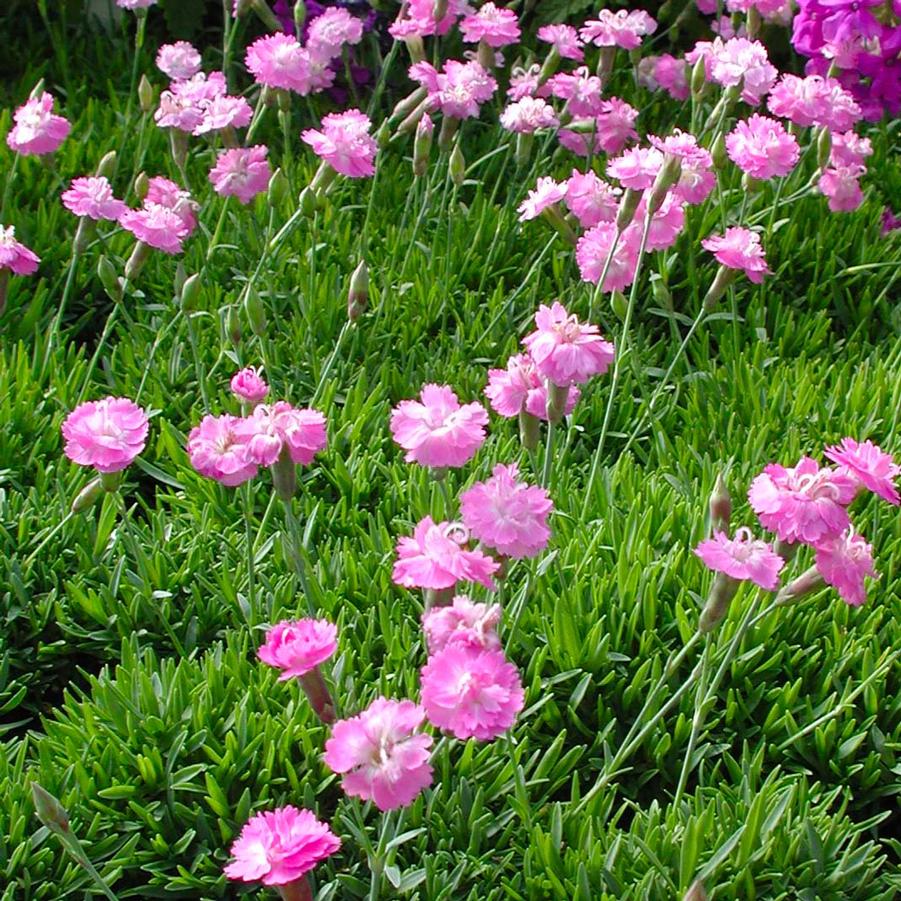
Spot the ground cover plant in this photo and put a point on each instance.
(446, 450)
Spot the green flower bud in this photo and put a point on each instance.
(145, 95)
(190, 293)
(457, 165)
(256, 313)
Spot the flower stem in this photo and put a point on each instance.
(293, 539)
(248, 540)
(697, 722)
(548, 455)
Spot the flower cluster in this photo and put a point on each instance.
(200, 104)
(166, 218)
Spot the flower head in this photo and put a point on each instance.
(739, 61)
(841, 187)
(520, 388)
(345, 143)
(168, 194)
(107, 434)
(494, 25)
(594, 247)
(92, 197)
(217, 451)
(636, 168)
(739, 248)
(527, 115)
(565, 40)
(875, 469)
(544, 195)
(276, 61)
(37, 129)
(14, 255)
(844, 561)
(241, 172)
(382, 754)
(296, 647)
(274, 428)
(223, 112)
(743, 557)
(179, 60)
(618, 29)
(249, 386)
(463, 622)
(458, 90)
(762, 148)
(591, 199)
(157, 226)
(421, 18)
(331, 30)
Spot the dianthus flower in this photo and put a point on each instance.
(615, 125)
(739, 61)
(299, 646)
(471, 692)
(506, 514)
(436, 557)
(92, 197)
(524, 83)
(842, 188)
(217, 451)
(743, 558)
(667, 221)
(582, 91)
(249, 386)
(594, 247)
(278, 846)
(179, 60)
(496, 26)
(462, 622)
(184, 105)
(849, 149)
(14, 255)
(276, 428)
(566, 351)
(157, 226)
(564, 39)
(330, 31)
(382, 754)
(458, 90)
(528, 115)
(696, 176)
(107, 434)
(544, 195)
(762, 148)
(890, 222)
(169, 195)
(636, 168)
(519, 388)
(37, 129)
(420, 21)
(667, 72)
(739, 248)
(223, 112)
(591, 199)
(276, 61)
(844, 561)
(806, 503)
(438, 431)
(345, 143)
(242, 172)
(618, 29)
(764, 7)
(867, 462)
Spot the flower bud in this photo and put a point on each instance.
(136, 261)
(145, 95)
(256, 313)
(106, 272)
(142, 185)
(179, 281)
(422, 145)
(86, 230)
(696, 892)
(300, 16)
(87, 496)
(524, 143)
(753, 23)
(278, 188)
(718, 153)
(284, 476)
(529, 430)
(796, 590)
(106, 168)
(50, 812)
(824, 148)
(383, 136)
(556, 402)
(720, 505)
(721, 593)
(667, 176)
(449, 127)
(266, 15)
(308, 201)
(627, 207)
(358, 292)
(190, 293)
(404, 107)
(457, 165)
(698, 78)
(661, 293)
(233, 325)
(724, 277)
(619, 304)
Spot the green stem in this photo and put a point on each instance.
(57, 319)
(249, 545)
(548, 455)
(214, 240)
(198, 370)
(7, 188)
(330, 362)
(33, 555)
(697, 722)
(293, 538)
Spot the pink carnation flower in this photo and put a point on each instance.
(807, 101)
(565, 40)
(582, 91)
(742, 558)
(844, 561)
(436, 557)
(330, 31)
(382, 754)
(276, 61)
(762, 147)
(806, 503)
(739, 248)
(458, 90)
(168, 194)
(739, 61)
(614, 127)
(14, 255)
(524, 83)
(618, 29)
(494, 25)
(841, 187)
(544, 195)
(471, 692)
(438, 431)
(107, 434)
(591, 199)
(463, 622)
(276, 428)
(157, 226)
(636, 168)
(179, 60)
(217, 451)
(93, 197)
(667, 72)
(666, 224)
(592, 251)
(184, 105)
(520, 388)
(299, 646)
(508, 515)
(278, 846)
(223, 112)
(526, 116)
(242, 172)
(37, 129)
(875, 469)
(249, 386)
(566, 351)
(420, 18)
(345, 143)
(849, 149)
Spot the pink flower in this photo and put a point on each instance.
(345, 143)
(519, 388)
(279, 846)
(844, 561)
(37, 130)
(107, 434)
(276, 61)
(806, 503)
(383, 756)
(496, 26)
(275, 428)
(615, 125)
(471, 692)
(813, 101)
(420, 19)
(438, 431)
(739, 61)
(566, 351)
(179, 60)
(592, 251)
(565, 40)
(524, 83)
(582, 91)
(184, 106)
(223, 112)
(463, 622)
(875, 469)
(458, 90)
(508, 515)
(436, 557)
(330, 31)
(526, 116)
(618, 29)
(544, 195)
(135, 4)
(156, 225)
(762, 147)
(168, 194)
(666, 224)
(667, 72)
(249, 386)
(242, 172)
(590, 199)
(299, 646)
(218, 452)
(742, 558)
(93, 197)
(842, 188)
(14, 255)
(636, 168)
(739, 248)
(849, 149)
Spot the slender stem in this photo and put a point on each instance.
(697, 721)
(92, 364)
(445, 493)
(33, 555)
(135, 64)
(157, 341)
(198, 370)
(598, 288)
(548, 454)
(214, 240)
(517, 608)
(248, 541)
(293, 536)
(330, 362)
(7, 188)
(57, 319)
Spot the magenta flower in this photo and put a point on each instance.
(345, 143)
(494, 25)
(666, 224)
(543, 196)
(841, 188)
(330, 31)
(875, 469)
(458, 90)
(506, 514)
(93, 197)
(739, 61)
(740, 249)
(278, 846)
(217, 451)
(37, 129)
(179, 60)
(14, 255)
(420, 18)
(844, 561)
(299, 646)
(814, 101)
(636, 168)
(806, 503)
(471, 692)
(849, 149)
(223, 112)
(249, 386)
(565, 40)
(667, 72)
(582, 91)
(743, 557)
(184, 105)
(274, 428)
(382, 754)
(520, 388)
(438, 432)
(168, 194)
(527, 115)
(591, 199)
(157, 226)
(276, 61)
(242, 172)
(618, 29)
(566, 351)
(594, 247)
(462, 622)
(437, 557)
(762, 148)
(107, 434)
